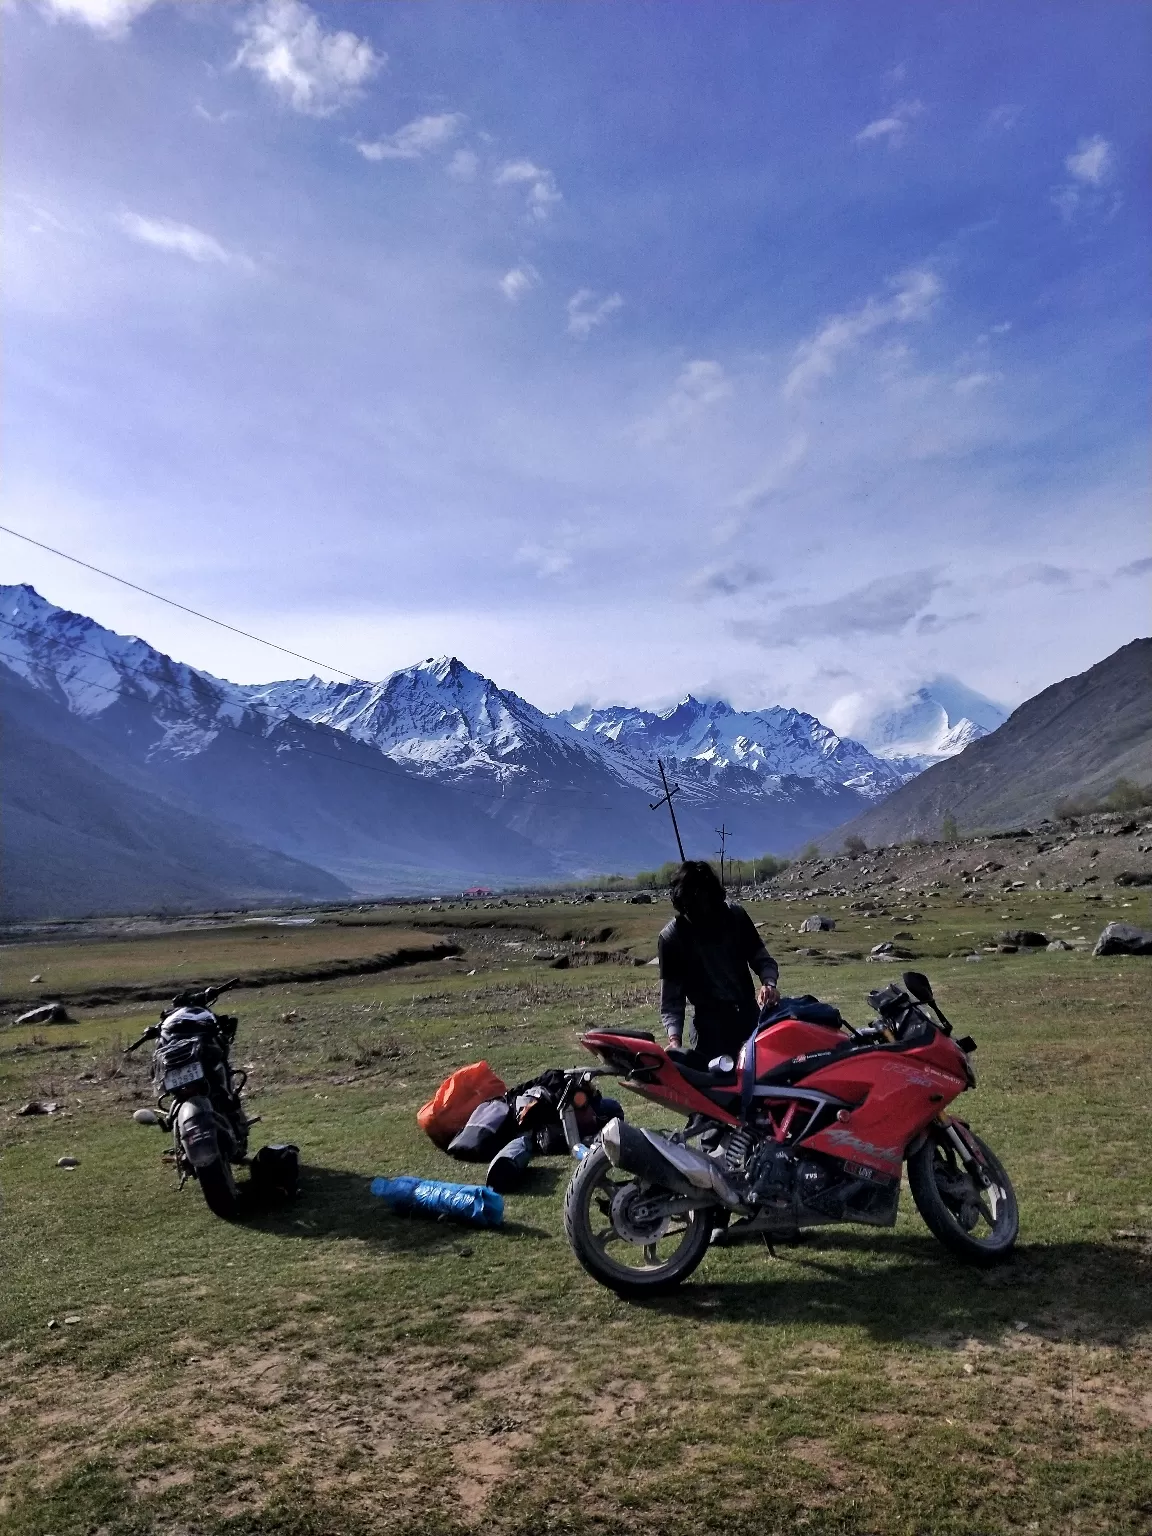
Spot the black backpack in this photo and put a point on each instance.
(275, 1171)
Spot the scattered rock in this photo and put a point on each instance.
(641, 899)
(817, 924)
(1007, 949)
(1024, 938)
(1123, 939)
(544, 954)
(1056, 944)
(34, 1107)
(52, 1323)
(67, 1162)
(807, 953)
(35, 980)
(561, 963)
(47, 1013)
(290, 1017)
(69, 1321)
(1134, 877)
(974, 957)
(655, 960)
(1131, 1235)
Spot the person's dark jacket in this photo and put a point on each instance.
(709, 964)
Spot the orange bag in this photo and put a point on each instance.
(446, 1113)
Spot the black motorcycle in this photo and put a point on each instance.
(198, 1094)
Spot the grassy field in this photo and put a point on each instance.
(331, 1368)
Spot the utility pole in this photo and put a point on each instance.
(722, 834)
(666, 799)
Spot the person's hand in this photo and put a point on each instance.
(674, 1042)
(768, 994)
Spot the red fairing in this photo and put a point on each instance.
(894, 1093)
(667, 1086)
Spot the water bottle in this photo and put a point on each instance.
(466, 1202)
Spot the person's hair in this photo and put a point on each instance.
(696, 888)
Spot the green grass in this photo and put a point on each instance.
(334, 1368)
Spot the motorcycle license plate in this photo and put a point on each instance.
(180, 1077)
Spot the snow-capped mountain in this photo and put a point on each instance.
(442, 720)
(456, 777)
(88, 669)
(713, 748)
(937, 721)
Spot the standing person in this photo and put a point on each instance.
(707, 954)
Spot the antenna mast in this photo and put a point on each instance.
(666, 799)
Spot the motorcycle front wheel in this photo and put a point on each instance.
(218, 1186)
(976, 1221)
(618, 1242)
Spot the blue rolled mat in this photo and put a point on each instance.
(476, 1203)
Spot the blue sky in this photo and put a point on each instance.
(792, 351)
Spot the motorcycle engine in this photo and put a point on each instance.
(775, 1176)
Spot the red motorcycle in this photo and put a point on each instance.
(809, 1127)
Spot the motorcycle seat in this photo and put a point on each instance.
(725, 1083)
(631, 1034)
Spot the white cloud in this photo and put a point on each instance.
(970, 382)
(585, 314)
(112, 17)
(543, 192)
(764, 487)
(1005, 117)
(464, 164)
(700, 385)
(178, 239)
(415, 139)
(316, 72)
(1092, 168)
(894, 127)
(519, 281)
(548, 559)
(1092, 161)
(915, 292)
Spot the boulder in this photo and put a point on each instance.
(1024, 938)
(46, 1013)
(1056, 944)
(1134, 877)
(1123, 939)
(641, 899)
(817, 924)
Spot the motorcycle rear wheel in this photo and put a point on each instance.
(977, 1224)
(218, 1186)
(674, 1250)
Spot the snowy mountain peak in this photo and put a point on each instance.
(934, 721)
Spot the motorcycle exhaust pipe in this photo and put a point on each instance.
(669, 1164)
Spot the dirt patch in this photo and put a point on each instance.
(484, 1463)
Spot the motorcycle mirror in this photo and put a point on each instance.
(146, 1117)
(918, 985)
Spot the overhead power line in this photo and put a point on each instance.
(183, 607)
